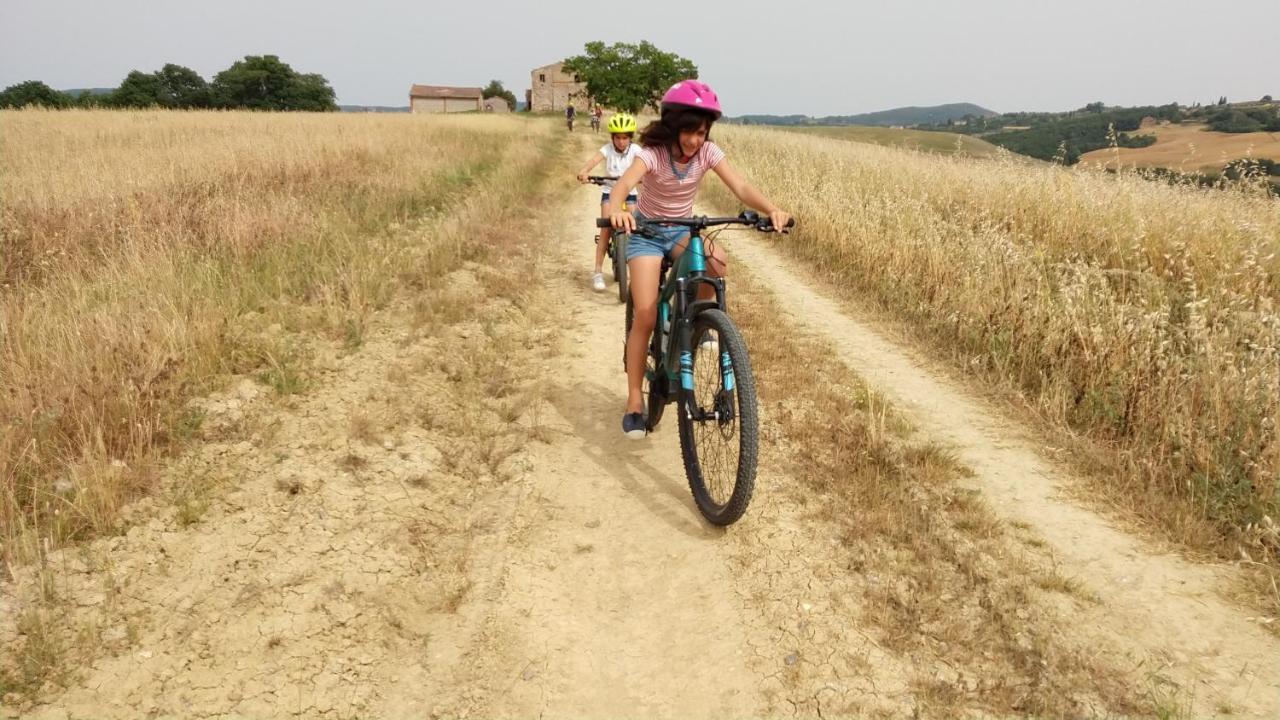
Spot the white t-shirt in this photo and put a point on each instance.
(616, 163)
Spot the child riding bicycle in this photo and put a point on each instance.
(617, 154)
(677, 154)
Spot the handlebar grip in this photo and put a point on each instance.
(603, 223)
(766, 226)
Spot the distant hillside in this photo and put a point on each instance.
(773, 120)
(1191, 147)
(903, 116)
(906, 116)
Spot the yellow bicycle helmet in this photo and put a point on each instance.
(622, 123)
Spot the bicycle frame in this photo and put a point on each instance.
(678, 300)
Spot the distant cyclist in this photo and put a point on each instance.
(617, 155)
(570, 113)
(596, 114)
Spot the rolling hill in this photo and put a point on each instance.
(902, 117)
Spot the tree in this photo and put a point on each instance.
(495, 89)
(33, 92)
(626, 76)
(1266, 98)
(141, 90)
(309, 92)
(89, 99)
(263, 82)
(1095, 107)
(184, 87)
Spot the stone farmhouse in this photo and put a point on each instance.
(553, 89)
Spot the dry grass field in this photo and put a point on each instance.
(317, 416)
(1141, 316)
(143, 255)
(1189, 147)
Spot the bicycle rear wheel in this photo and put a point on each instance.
(620, 266)
(655, 382)
(719, 424)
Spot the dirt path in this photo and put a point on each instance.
(1167, 608)
(618, 597)
(446, 521)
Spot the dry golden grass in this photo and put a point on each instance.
(944, 583)
(1189, 147)
(143, 253)
(1140, 315)
(482, 410)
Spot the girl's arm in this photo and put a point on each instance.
(623, 220)
(751, 196)
(592, 161)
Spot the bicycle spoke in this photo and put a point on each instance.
(716, 434)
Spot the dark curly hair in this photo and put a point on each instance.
(665, 132)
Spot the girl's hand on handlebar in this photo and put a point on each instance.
(582, 178)
(779, 219)
(624, 221)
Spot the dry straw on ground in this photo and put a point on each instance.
(918, 551)
(143, 253)
(1140, 315)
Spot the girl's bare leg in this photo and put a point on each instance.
(642, 273)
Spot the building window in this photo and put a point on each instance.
(577, 77)
(542, 77)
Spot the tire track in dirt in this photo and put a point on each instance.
(1165, 609)
(620, 600)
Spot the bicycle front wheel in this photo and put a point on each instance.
(719, 424)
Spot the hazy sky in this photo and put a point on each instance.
(789, 56)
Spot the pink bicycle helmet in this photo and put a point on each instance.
(694, 94)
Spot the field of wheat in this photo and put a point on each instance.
(1189, 147)
(143, 253)
(1141, 316)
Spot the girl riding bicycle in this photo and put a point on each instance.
(677, 154)
(617, 155)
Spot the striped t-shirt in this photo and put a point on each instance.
(668, 193)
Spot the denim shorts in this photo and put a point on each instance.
(654, 240)
(631, 199)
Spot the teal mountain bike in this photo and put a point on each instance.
(697, 360)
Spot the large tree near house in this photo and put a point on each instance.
(626, 76)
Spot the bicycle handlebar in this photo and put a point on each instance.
(702, 222)
(600, 180)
